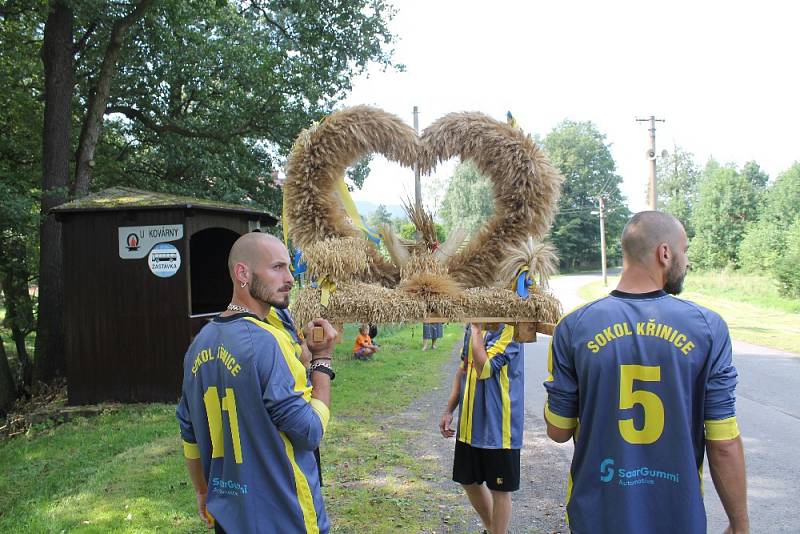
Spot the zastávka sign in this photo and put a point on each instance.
(164, 260)
(135, 242)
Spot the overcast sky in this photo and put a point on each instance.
(724, 75)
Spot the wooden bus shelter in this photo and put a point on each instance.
(142, 273)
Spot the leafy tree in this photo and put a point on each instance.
(786, 270)
(407, 230)
(201, 98)
(762, 247)
(782, 199)
(764, 244)
(677, 185)
(580, 152)
(20, 171)
(467, 203)
(380, 216)
(753, 173)
(727, 202)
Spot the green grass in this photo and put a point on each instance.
(750, 304)
(122, 471)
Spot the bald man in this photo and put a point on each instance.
(644, 383)
(250, 416)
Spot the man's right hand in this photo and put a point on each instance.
(322, 348)
(444, 425)
(203, 511)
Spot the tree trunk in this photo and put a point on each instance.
(19, 316)
(57, 56)
(22, 354)
(98, 100)
(8, 389)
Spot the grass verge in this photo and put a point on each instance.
(123, 470)
(750, 304)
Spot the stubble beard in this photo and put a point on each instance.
(675, 277)
(261, 292)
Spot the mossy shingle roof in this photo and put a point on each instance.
(122, 198)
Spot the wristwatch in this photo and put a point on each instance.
(322, 368)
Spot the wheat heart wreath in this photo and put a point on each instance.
(457, 283)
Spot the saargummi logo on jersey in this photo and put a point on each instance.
(636, 476)
(228, 487)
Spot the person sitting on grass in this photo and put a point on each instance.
(364, 348)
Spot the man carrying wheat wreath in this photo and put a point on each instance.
(249, 416)
(488, 388)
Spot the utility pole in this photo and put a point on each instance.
(417, 186)
(652, 195)
(603, 238)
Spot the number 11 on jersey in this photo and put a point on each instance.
(214, 408)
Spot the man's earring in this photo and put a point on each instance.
(243, 284)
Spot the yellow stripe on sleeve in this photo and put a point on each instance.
(499, 347)
(303, 490)
(506, 397)
(468, 397)
(566, 423)
(486, 372)
(569, 496)
(550, 361)
(722, 429)
(502, 342)
(288, 352)
(322, 411)
(191, 451)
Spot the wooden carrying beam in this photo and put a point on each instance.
(524, 331)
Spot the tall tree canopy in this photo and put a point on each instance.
(467, 203)
(580, 152)
(727, 202)
(201, 97)
(765, 242)
(678, 176)
(20, 175)
(209, 96)
(380, 216)
(753, 173)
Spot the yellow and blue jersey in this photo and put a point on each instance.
(492, 404)
(281, 319)
(246, 412)
(644, 379)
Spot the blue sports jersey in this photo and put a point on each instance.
(644, 380)
(492, 406)
(246, 411)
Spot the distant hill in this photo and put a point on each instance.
(365, 208)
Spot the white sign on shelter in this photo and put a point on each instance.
(135, 242)
(164, 260)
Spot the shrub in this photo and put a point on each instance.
(787, 269)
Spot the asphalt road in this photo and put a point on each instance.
(768, 411)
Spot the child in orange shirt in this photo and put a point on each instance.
(364, 348)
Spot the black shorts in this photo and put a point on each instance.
(499, 468)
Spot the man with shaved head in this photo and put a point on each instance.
(645, 385)
(250, 415)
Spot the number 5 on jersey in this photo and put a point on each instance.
(214, 408)
(651, 403)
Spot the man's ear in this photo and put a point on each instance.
(664, 254)
(240, 270)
